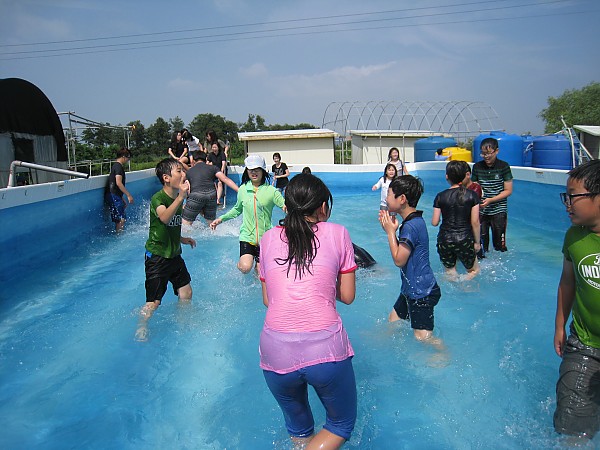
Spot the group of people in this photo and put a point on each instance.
(306, 264)
(466, 211)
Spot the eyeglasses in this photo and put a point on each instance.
(567, 199)
(483, 155)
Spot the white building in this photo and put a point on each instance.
(373, 146)
(297, 147)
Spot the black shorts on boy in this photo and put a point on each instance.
(160, 271)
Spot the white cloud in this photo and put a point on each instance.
(183, 85)
(255, 70)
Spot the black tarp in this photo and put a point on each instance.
(24, 108)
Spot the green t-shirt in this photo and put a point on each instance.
(582, 248)
(257, 207)
(164, 240)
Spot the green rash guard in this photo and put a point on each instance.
(582, 248)
(257, 207)
(164, 240)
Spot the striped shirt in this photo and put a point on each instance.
(492, 179)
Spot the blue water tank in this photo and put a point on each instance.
(552, 152)
(425, 148)
(510, 145)
(527, 149)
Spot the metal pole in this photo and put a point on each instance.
(14, 164)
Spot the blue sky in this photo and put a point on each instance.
(509, 54)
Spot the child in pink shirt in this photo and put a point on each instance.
(306, 265)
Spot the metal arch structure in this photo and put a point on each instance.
(463, 119)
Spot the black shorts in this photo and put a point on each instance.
(464, 251)
(160, 271)
(246, 248)
(420, 311)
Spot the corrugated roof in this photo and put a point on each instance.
(287, 134)
(589, 129)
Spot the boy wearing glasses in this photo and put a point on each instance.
(578, 387)
(495, 178)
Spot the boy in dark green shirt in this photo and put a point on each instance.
(164, 263)
(578, 387)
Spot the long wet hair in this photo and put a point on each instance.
(304, 195)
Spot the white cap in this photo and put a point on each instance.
(255, 161)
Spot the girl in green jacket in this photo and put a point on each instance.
(255, 200)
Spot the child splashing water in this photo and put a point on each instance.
(256, 200)
(306, 265)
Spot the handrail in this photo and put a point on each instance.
(14, 164)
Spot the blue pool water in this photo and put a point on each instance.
(72, 376)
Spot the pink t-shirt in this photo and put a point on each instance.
(302, 326)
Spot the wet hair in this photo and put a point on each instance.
(307, 170)
(199, 155)
(165, 167)
(467, 167)
(439, 151)
(304, 195)
(410, 186)
(390, 153)
(489, 143)
(276, 155)
(387, 166)
(589, 173)
(456, 172)
(123, 152)
(265, 176)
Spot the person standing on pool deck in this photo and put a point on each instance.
(458, 238)
(306, 265)
(280, 173)
(410, 251)
(256, 200)
(578, 387)
(495, 178)
(164, 263)
(115, 189)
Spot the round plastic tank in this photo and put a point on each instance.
(552, 152)
(425, 148)
(527, 149)
(510, 145)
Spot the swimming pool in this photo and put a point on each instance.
(71, 374)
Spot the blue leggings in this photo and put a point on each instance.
(335, 385)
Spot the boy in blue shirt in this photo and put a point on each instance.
(578, 387)
(410, 251)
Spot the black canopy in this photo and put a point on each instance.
(24, 108)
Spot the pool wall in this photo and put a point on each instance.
(44, 223)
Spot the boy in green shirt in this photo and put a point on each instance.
(578, 387)
(164, 263)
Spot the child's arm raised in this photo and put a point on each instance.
(166, 214)
(400, 252)
(564, 305)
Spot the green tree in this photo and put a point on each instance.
(225, 129)
(577, 106)
(176, 124)
(158, 136)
